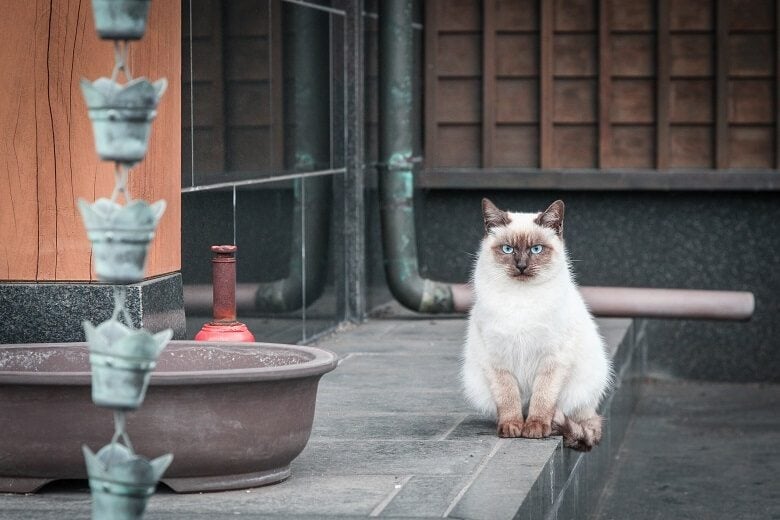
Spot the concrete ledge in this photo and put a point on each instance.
(393, 437)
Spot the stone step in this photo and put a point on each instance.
(393, 437)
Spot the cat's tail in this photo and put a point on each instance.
(580, 435)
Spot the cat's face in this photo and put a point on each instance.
(528, 247)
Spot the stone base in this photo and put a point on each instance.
(53, 312)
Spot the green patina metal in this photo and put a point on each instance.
(396, 180)
(121, 481)
(120, 236)
(122, 362)
(120, 19)
(121, 357)
(307, 149)
(122, 116)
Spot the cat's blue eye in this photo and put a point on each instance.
(507, 250)
(537, 249)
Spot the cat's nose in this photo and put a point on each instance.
(521, 266)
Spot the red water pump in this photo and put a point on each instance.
(224, 326)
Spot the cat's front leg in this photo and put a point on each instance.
(544, 398)
(509, 407)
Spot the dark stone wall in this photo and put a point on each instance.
(694, 240)
(54, 312)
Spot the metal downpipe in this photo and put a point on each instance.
(307, 148)
(396, 179)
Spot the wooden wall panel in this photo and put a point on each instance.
(517, 15)
(633, 146)
(633, 55)
(517, 55)
(576, 146)
(691, 101)
(516, 101)
(632, 101)
(575, 55)
(691, 15)
(458, 15)
(517, 146)
(607, 83)
(691, 55)
(459, 101)
(459, 55)
(459, 145)
(575, 101)
(691, 146)
(49, 46)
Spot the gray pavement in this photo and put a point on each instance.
(392, 437)
(697, 450)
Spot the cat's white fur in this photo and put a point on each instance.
(515, 325)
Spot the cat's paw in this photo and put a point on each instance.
(536, 428)
(510, 428)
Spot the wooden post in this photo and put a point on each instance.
(662, 143)
(777, 84)
(488, 81)
(605, 86)
(722, 86)
(47, 138)
(546, 83)
(431, 82)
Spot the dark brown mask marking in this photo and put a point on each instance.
(492, 216)
(552, 217)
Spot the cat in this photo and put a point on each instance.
(531, 342)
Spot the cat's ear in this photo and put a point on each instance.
(492, 216)
(552, 217)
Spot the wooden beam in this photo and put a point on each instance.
(605, 86)
(591, 179)
(721, 86)
(431, 82)
(488, 81)
(663, 72)
(546, 83)
(777, 84)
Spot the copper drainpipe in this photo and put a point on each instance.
(224, 326)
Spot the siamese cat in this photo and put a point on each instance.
(531, 343)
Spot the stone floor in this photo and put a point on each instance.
(696, 451)
(392, 437)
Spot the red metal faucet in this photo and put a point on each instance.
(224, 326)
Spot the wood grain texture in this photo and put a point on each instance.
(47, 143)
(662, 143)
(660, 83)
(546, 94)
(605, 85)
(431, 83)
(722, 86)
(488, 81)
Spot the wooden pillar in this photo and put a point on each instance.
(605, 86)
(431, 82)
(546, 83)
(722, 86)
(662, 142)
(488, 81)
(46, 137)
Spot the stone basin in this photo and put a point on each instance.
(234, 415)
